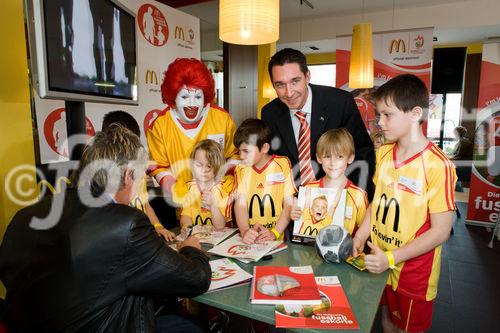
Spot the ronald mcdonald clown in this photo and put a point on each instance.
(187, 89)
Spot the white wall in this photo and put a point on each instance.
(473, 15)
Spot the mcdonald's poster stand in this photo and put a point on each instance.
(394, 53)
(180, 37)
(484, 193)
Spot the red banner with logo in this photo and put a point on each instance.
(484, 196)
(394, 53)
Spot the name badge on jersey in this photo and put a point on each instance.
(219, 138)
(275, 178)
(348, 212)
(410, 185)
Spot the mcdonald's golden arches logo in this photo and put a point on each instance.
(386, 205)
(261, 205)
(397, 45)
(310, 231)
(151, 77)
(179, 33)
(200, 221)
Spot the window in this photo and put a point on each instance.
(323, 74)
(451, 119)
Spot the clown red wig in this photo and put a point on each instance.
(189, 72)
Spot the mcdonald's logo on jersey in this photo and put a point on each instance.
(386, 205)
(179, 33)
(261, 205)
(397, 45)
(310, 231)
(200, 221)
(151, 77)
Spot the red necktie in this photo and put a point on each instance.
(304, 145)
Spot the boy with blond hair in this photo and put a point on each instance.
(264, 185)
(335, 151)
(412, 211)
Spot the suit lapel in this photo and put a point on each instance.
(319, 118)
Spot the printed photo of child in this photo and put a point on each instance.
(321, 208)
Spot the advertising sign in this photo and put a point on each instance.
(394, 53)
(484, 195)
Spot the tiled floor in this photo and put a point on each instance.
(469, 287)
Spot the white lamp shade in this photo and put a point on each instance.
(361, 62)
(249, 22)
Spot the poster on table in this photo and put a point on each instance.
(172, 34)
(484, 195)
(394, 53)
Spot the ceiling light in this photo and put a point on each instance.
(249, 22)
(361, 62)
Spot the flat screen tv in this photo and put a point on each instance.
(83, 50)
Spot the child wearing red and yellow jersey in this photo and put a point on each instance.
(335, 151)
(206, 201)
(264, 185)
(412, 209)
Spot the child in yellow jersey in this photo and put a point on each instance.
(335, 151)
(264, 185)
(206, 202)
(141, 201)
(412, 209)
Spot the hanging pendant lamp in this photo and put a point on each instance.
(268, 89)
(361, 62)
(249, 22)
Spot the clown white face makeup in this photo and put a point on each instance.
(189, 104)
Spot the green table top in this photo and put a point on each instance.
(363, 289)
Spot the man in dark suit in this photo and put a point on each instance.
(325, 108)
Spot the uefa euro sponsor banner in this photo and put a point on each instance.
(394, 53)
(484, 196)
(162, 34)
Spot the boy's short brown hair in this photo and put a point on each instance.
(337, 141)
(406, 91)
(123, 118)
(213, 153)
(254, 132)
